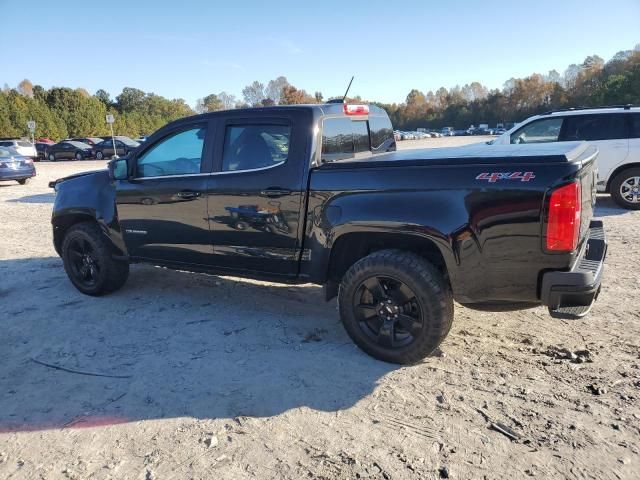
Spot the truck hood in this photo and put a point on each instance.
(93, 173)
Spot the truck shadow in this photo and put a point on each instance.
(38, 198)
(606, 207)
(169, 344)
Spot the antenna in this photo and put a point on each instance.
(345, 93)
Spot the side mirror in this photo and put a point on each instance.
(119, 169)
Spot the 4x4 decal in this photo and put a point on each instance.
(495, 176)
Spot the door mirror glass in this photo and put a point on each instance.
(118, 169)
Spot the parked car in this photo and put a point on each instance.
(23, 147)
(69, 150)
(45, 140)
(14, 166)
(614, 130)
(447, 132)
(124, 146)
(41, 148)
(91, 141)
(499, 131)
(397, 236)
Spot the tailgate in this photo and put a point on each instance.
(588, 176)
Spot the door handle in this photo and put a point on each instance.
(188, 195)
(275, 192)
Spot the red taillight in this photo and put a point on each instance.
(563, 227)
(356, 109)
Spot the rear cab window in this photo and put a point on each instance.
(345, 138)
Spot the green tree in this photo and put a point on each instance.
(210, 103)
(129, 100)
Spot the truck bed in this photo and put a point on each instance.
(479, 153)
(484, 207)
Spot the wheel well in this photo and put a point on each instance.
(617, 171)
(351, 247)
(62, 224)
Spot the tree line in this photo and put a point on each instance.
(62, 112)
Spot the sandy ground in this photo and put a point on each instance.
(207, 377)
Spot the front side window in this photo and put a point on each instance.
(539, 131)
(595, 127)
(179, 154)
(249, 147)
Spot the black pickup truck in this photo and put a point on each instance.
(318, 194)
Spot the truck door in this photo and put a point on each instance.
(257, 192)
(163, 210)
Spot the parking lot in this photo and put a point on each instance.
(183, 375)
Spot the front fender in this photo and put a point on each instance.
(82, 198)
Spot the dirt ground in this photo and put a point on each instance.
(204, 377)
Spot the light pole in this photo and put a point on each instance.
(110, 121)
(31, 125)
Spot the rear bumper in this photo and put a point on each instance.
(16, 174)
(571, 294)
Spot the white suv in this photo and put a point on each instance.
(24, 147)
(614, 130)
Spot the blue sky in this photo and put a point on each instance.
(188, 49)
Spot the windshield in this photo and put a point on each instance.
(6, 152)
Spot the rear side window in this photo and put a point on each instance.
(249, 147)
(24, 144)
(381, 134)
(538, 131)
(595, 127)
(635, 125)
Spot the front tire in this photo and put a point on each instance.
(52, 157)
(396, 306)
(22, 181)
(625, 188)
(99, 155)
(88, 261)
(79, 156)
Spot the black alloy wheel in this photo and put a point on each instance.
(83, 262)
(388, 311)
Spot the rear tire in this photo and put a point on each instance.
(88, 261)
(23, 181)
(52, 157)
(79, 156)
(99, 155)
(405, 286)
(625, 188)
